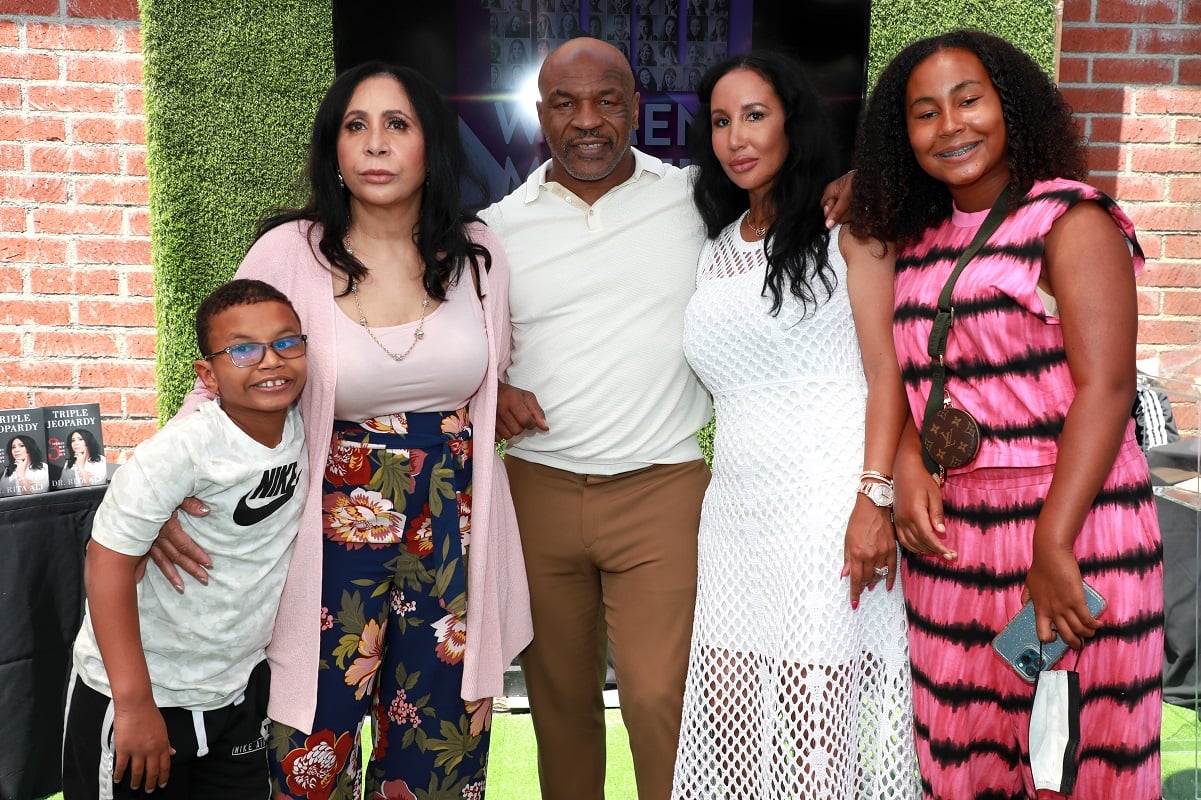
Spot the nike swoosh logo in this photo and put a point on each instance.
(246, 515)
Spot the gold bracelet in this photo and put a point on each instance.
(871, 474)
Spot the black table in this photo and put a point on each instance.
(42, 543)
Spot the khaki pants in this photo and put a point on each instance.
(615, 553)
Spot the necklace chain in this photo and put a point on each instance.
(418, 334)
(759, 232)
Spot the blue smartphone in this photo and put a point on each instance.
(1018, 645)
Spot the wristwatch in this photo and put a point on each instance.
(878, 493)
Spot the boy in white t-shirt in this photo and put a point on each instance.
(170, 693)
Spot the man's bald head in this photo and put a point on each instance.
(584, 55)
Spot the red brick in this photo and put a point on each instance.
(1143, 12)
(1073, 70)
(10, 36)
(73, 99)
(135, 160)
(56, 37)
(1106, 129)
(35, 373)
(12, 157)
(1081, 39)
(34, 190)
(74, 159)
(1192, 12)
(1180, 303)
(140, 345)
(10, 95)
(1133, 70)
(116, 374)
(1078, 10)
(113, 251)
(1188, 130)
(139, 221)
(1167, 100)
(103, 9)
(1169, 331)
(1185, 189)
(1154, 217)
(133, 40)
(1091, 100)
(1149, 301)
(127, 130)
(127, 433)
(139, 283)
(32, 250)
(30, 8)
(1139, 187)
(34, 312)
(1182, 245)
(1190, 72)
(16, 398)
(141, 404)
(13, 221)
(58, 219)
(100, 68)
(60, 280)
(1105, 159)
(118, 314)
(12, 280)
(1179, 274)
(112, 191)
(1178, 39)
(74, 344)
(28, 66)
(135, 101)
(21, 128)
(1152, 244)
(1169, 158)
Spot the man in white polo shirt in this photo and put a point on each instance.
(601, 417)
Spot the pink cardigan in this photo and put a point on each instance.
(498, 612)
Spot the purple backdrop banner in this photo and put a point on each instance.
(501, 44)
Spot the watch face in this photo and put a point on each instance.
(879, 493)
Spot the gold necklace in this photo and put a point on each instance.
(759, 232)
(418, 334)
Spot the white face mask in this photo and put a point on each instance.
(1055, 730)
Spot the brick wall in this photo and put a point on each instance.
(1132, 71)
(76, 308)
(76, 287)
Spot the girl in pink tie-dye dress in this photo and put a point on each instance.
(1041, 354)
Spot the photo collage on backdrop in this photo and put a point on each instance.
(670, 43)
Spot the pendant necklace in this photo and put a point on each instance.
(418, 334)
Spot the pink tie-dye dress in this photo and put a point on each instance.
(1006, 365)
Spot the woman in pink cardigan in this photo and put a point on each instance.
(406, 596)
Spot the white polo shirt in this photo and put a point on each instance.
(597, 295)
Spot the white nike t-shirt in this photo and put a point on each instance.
(202, 645)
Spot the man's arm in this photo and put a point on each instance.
(139, 733)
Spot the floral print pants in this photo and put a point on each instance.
(396, 511)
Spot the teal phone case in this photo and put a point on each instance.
(1018, 645)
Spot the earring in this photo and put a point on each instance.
(341, 183)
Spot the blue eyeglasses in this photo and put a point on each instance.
(247, 354)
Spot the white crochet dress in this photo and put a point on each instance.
(790, 693)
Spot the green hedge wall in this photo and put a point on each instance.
(1029, 24)
(231, 88)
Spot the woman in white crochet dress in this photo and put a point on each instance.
(798, 680)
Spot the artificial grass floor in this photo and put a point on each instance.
(513, 766)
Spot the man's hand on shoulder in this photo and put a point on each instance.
(517, 410)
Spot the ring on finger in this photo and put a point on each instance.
(881, 571)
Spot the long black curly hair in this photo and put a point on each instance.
(894, 199)
(797, 242)
(441, 234)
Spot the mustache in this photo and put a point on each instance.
(590, 134)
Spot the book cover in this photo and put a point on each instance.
(24, 468)
(75, 446)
